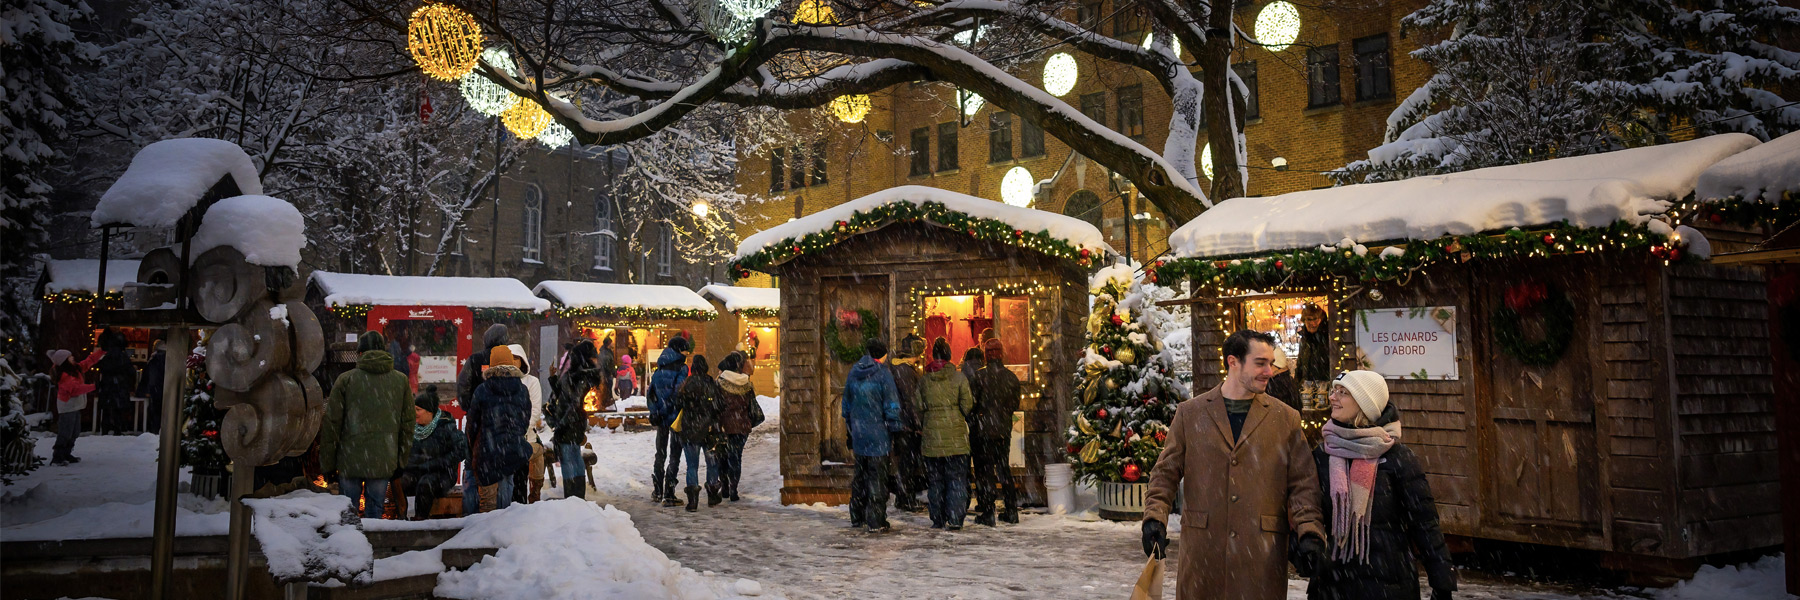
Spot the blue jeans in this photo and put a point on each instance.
(373, 492)
(574, 471)
(503, 494)
(693, 451)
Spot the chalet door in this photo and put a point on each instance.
(1538, 447)
(844, 294)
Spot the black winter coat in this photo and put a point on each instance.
(1314, 362)
(501, 413)
(1403, 524)
(906, 382)
(471, 377)
(568, 403)
(699, 401)
(996, 398)
(118, 378)
(433, 461)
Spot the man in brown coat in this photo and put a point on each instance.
(1247, 479)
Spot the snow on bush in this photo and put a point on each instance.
(309, 536)
(269, 231)
(167, 178)
(573, 549)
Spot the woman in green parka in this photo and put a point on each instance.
(945, 403)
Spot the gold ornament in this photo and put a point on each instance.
(815, 12)
(526, 119)
(1112, 385)
(852, 108)
(1081, 423)
(1125, 355)
(444, 40)
(1091, 452)
(1117, 427)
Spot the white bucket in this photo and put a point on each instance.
(1058, 478)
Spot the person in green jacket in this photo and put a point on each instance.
(945, 403)
(368, 430)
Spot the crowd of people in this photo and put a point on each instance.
(114, 384)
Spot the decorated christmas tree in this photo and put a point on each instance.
(1125, 389)
(16, 454)
(200, 447)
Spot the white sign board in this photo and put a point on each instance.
(437, 369)
(1417, 342)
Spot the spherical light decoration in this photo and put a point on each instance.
(815, 12)
(730, 20)
(971, 102)
(1015, 188)
(526, 119)
(555, 136)
(850, 109)
(1278, 25)
(1174, 43)
(1060, 74)
(443, 40)
(1206, 161)
(482, 94)
(701, 208)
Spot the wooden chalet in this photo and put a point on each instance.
(750, 322)
(640, 319)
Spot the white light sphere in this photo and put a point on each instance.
(971, 102)
(482, 94)
(1278, 25)
(701, 208)
(1060, 74)
(555, 136)
(1015, 188)
(1206, 161)
(1174, 43)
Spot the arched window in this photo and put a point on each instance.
(1085, 205)
(533, 231)
(604, 238)
(665, 250)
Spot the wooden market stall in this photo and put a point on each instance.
(640, 319)
(1571, 370)
(749, 321)
(67, 289)
(925, 261)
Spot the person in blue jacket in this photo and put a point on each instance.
(671, 370)
(871, 409)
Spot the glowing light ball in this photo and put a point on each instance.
(1060, 74)
(730, 20)
(1278, 25)
(1015, 188)
(815, 12)
(850, 109)
(1174, 43)
(443, 40)
(482, 94)
(970, 102)
(526, 119)
(555, 136)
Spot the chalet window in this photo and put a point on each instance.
(1252, 99)
(777, 170)
(796, 168)
(947, 159)
(533, 231)
(1322, 77)
(1131, 111)
(665, 250)
(1093, 106)
(1128, 21)
(1031, 139)
(921, 152)
(818, 163)
(1089, 14)
(1000, 137)
(604, 237)
(1374, 79)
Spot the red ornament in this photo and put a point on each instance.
(1074, 449)
(1116, 320)
(1100, 413)
(1085, 253)
(843, 223)
(1132, 473)
(1659, 251)
(1279, 265)
(1018, 233)
(1674, 254)
(1160, 436)
(796, 249)
(1549, 238)
(211, 433)
(1107, 350)
(1152, 277)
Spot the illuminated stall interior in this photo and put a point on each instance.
(749, 321)
(639, 319)
(967, 321)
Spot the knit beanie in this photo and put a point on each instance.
(1368, 388)
(58, 356)
(501, 356)
(993, 349)
(427, 399)
(911, 346)
(371, 340)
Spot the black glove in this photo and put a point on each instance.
(1310, 556)
(1156, 538)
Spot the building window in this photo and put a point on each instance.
(999, 137)
(921, 152)
(604, 237)
(1089, 14)
(1131, 111)
(456, 249)
(1322, 76)
(1252, 99)
(777, 170)
(1374, 79)
(796, 168)
(818, 163)
(1093, 106)
(1127, 21)
(533, 231)
(1031, 139)
(665, 250)
(947, 159)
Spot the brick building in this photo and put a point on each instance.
(1318, 104)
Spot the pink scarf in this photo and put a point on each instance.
(1352, 472)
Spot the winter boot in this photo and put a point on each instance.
(656, 495)
(713, 497)
(734, 493)
(693, 497)
(986, 517)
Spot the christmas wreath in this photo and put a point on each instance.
(865, 318)
(1558, 317)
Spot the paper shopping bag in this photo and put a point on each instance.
(1149, 584)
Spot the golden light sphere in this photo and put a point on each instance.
(526, 119)
(815, 12)
(444, 40)
(850, 109)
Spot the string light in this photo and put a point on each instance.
(935, 213)
(555, 136)
(759, 312)
(1015, 188)
(638, 312)
(730, 20)
(443, 40)
(815, 12)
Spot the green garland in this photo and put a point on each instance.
(1739, 212)
(760, 312)
(638, 313)
(871, 329)
(980, 228)
(1559, 326)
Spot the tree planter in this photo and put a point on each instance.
(210, 483)
(1121, 501)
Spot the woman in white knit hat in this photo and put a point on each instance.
(1378, 507)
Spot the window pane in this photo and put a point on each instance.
(777, 170)
(1088, 14)
(921, 151)
(1131, 111)
(1031, 139)
(999, 137)
(665, 251)
(818, 163)
(797, 173)
(534, 222)
(1322, 76)
(1253, 100)
(947, 159)
(1093, 106)
(1127, 21)
(1373, 77)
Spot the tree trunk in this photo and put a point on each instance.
(1215, 65)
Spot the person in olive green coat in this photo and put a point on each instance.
(945, 404)
(368, 430)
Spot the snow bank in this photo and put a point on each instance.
(1764, 579)
(1076, 232)
(167, 178)
(1588, 191)
(308, 536)
(81, 275)
(1763, 172)
(573, 549)
(269, 231)
(586, 294)
(398, 290)
(740, 298)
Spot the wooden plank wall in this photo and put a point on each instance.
(1633, 428)
(1724, 406)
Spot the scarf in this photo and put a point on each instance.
(420, 432)
(936, 365)
(1353, 454)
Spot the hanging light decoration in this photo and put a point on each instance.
(526, 119)
(1206, 161)
(1060, 74)
(970, 102)
(701, 208)
(1174, 43)
(1015, 188)
(482, 94)
(555, 136)
(1278, 25)
(730, 20)
(850, 109)
(444, 40)
(815, 12)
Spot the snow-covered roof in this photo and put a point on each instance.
(269, 231)
(1763, 172)
(167, 178)
(82, 274)
(1588, 191)
(588, 294)
(741, 298)
(1076, 232)
(345, 289)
